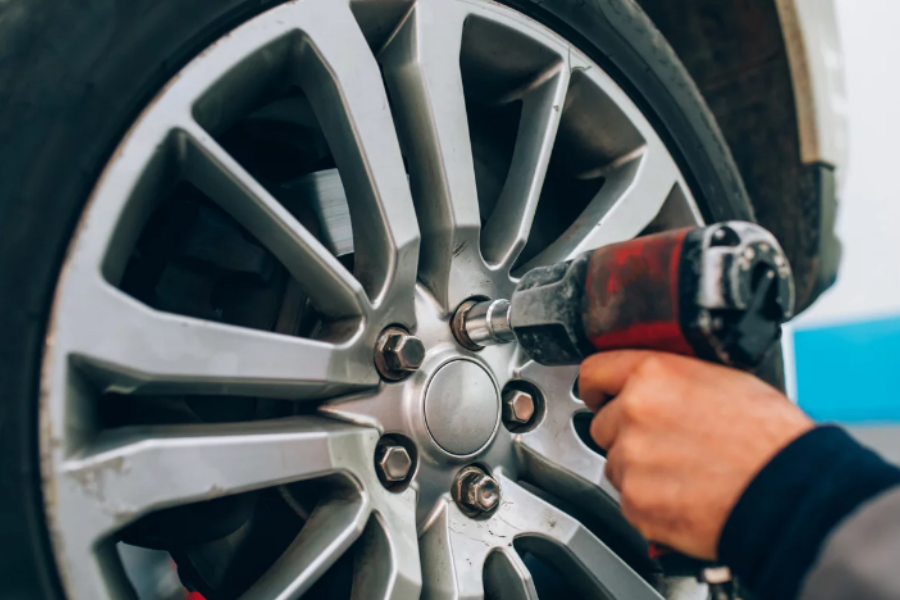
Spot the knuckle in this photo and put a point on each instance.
(629, 453)
(639, 508)
(635, 406)
(634, 492)
(659, 367)
(613, 469)
(589, 366)
(628, 510)
(624, 459)
(635, 513)
(652, 366)
(629, 494)
(612, 475)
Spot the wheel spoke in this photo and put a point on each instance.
(343, 82)
(333, 526)
(130, 347)
(139, 470)
(553, 455)
(507, 577)
(455, 548)
(421, 67)
(332, 289)
(632, 196)
(377, 410)
(146, 469)
(387, 565)
(452, 560)
(506, 231)
(554, 536)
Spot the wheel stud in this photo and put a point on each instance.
(393, 463)
(398, 353)
(476, 492)
(518, 407)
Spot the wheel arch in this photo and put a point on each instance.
(774, 101)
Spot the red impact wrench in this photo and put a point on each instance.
(719, 293)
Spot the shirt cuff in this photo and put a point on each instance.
(778, 525)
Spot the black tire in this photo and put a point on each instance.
(76, 75)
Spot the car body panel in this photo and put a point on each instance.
(813, 48)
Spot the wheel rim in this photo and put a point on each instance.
(420, 250)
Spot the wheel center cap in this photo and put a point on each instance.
(462, 407)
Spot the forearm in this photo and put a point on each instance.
(781, 522)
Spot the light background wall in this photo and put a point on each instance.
(869, 217)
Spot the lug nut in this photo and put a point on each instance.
(475, 491)
(480, 323)
(518, 407)
(404, 352)
(483, 493)
(398, 353)
(394, 463)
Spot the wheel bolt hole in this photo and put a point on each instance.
(396, 461)
(523, 406)
(582, 424)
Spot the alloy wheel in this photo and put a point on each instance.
(454, 144)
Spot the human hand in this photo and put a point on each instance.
(683, 438)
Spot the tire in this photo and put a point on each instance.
(76, 76)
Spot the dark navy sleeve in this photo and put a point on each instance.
(779, 524)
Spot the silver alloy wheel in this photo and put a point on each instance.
(420, 251)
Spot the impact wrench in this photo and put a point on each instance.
(718, 293)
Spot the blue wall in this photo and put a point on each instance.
(850, 373)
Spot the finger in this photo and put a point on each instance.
(603, 375)
(612, 470)
(606, 425)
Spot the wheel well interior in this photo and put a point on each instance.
(736, 53)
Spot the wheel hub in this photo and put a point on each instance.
(462, 407)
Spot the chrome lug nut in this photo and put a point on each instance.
(394, 463)
(476, 492)
(398, 353)
(518, 407)
(479, 323)
(404, 352)
(483, 493)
